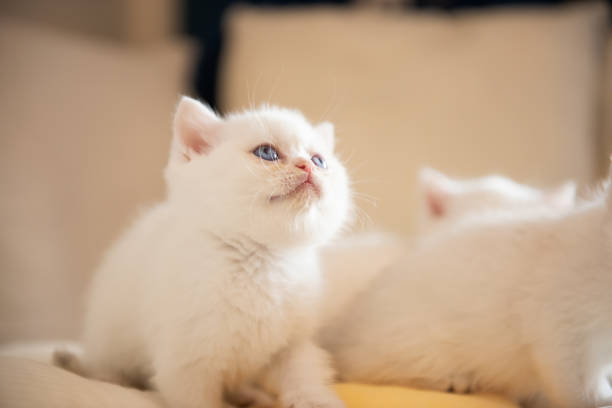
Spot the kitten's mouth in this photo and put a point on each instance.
(305, 187)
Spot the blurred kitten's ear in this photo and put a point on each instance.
(437, 189)
(563, 196)
(195, 130)
(326, 130)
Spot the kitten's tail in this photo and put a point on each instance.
(69, 360)
(62, 354)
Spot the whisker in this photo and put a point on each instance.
(367, 180)
(275, 85)
(254, 96)
(332, 102)
(370, 199)
(363, 219)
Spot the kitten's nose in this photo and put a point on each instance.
(304, 165)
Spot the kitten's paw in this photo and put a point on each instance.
(460, 384)
(312, 399)
(249, 396)
(69, 361)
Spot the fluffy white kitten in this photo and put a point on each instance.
(447, 199)
(219, 284)
(351, 263)
(515, 302)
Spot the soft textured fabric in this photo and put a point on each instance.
(511, 90)
(29, 384)
(370, 396)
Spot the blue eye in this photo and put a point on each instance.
(319, 161)
(266, 152)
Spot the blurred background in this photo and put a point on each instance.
(87, 91)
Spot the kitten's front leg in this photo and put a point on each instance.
(566, 381)
(301, 376)
(189, 385)
(460, 384)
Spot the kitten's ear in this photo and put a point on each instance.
(563, 196)
(195, 130)
(437, 189)
(326, 130)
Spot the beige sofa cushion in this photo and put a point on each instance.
(30, 384)
(84, 137)
(606, 113)
(512, 91)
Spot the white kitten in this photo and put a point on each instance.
(220, 282)
(515, 303)
(349, 266)
(446, 199)
(351, 263)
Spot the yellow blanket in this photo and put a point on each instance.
(370, 396)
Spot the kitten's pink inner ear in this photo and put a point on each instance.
(435, 204)
(195, 128)
(437, 188)
(194, 142)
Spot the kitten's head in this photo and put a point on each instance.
(448, 199)
(267, 173)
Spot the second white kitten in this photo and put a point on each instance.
(353, 262)
(512, 302)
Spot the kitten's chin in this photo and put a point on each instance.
(299, 223)
(306, 193)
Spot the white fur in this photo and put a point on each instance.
(220, 282)
(446, 199)
(513, 302)
(350, 264)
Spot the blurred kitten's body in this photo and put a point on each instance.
(352, 263)
(220, 282)
(513, 302)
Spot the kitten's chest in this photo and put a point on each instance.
(269, 308)
(277, 291)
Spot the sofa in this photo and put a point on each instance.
(85, 129)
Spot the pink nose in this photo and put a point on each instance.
(304, 165)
